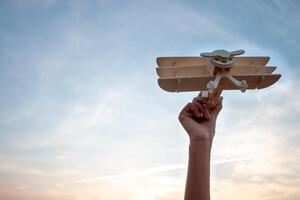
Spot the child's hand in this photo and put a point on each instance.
(199, 117)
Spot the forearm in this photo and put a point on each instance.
(197, 183)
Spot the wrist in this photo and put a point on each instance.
(201, 143)
(203, 136)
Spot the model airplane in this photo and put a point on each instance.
(214, 72)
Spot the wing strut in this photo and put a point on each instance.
(220, 62)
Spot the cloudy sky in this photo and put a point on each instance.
(82, 116)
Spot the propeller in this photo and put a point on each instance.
(222, 58)
(222, 53)
(237, 52)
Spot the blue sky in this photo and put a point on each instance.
(82, 114)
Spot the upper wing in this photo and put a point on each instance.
(192, 61)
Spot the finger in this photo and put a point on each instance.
(218, 107)
(203, 100)
(203, 110)
(185, 112)
(200, 94)
(198, 100)
(214, 100)
(196, 110)
(187, 108)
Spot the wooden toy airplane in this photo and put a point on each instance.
(215, 72)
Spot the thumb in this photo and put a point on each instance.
(218, 107)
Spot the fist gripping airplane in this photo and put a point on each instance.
(214, 72)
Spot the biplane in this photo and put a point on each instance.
(214, 72)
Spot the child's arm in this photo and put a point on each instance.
(198, 119)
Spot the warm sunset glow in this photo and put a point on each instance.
(82, 116)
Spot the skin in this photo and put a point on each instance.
(198, 118)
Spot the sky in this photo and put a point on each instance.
(82, 116)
